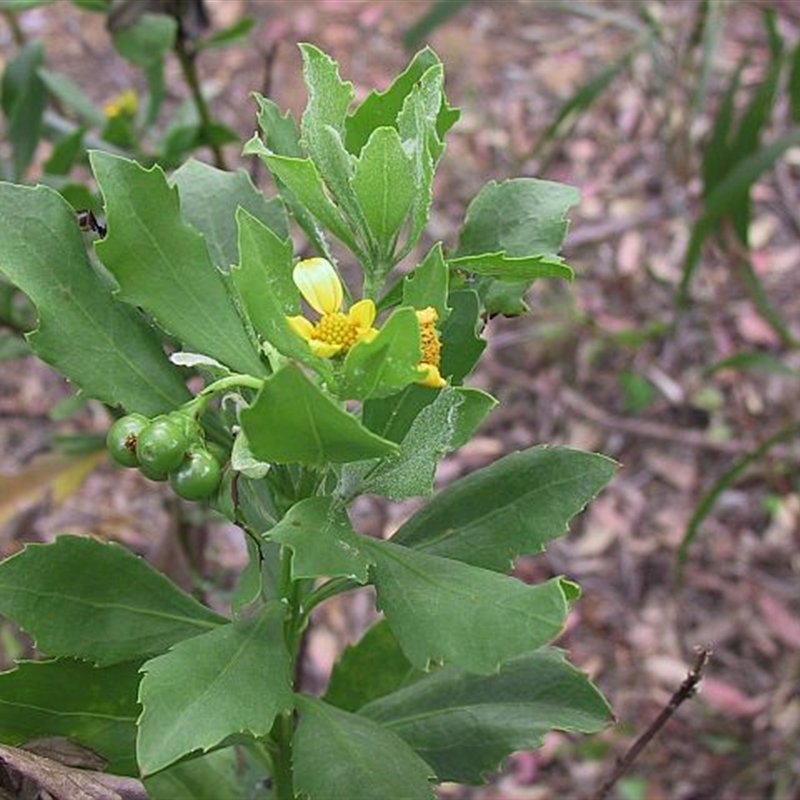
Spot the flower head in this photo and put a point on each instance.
(337, 331)
(431, 348)
(124, 104)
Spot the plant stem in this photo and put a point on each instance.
(198, 403)
(189, 69)
(282, 777)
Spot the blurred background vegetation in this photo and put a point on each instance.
(675, 351)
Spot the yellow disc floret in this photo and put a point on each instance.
(431, 348)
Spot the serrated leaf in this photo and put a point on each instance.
(510, 508)
(381, 108)
(372, 668)
(427, 284)
(101, 345)
(436, 430)
(506, 268)
(323, 541)
(54, 593)
(464, 725)
(387, 363)
(338, 755)
(461, 344)
(302, 178)
(447, 611)
(329, 97)
(263, 279)
(280, 130)
(292, 421)
(162, 263)
(93, 706)
(209, 200)
(416, 123)
(23, 102)
(391, 417)
(384, 186)
(235, 679)
(521, 217)
(214, 776)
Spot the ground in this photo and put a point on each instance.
(607, 363)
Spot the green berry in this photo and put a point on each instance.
(123, 437)
(162, 445)
(197, 477)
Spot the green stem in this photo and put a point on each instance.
(282, 777)
(321, 593)
(198, 403)
(189, 69)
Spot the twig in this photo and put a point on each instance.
(189, 69)
(686, 690)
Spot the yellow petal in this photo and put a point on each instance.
(427, 315)
(432, 377)
(319, 284)
(301, 326)
(323, 349)
(362, 314)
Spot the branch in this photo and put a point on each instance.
(686, 690)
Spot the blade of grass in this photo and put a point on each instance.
(723, 200)
(711, 496)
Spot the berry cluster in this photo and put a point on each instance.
(168, 447)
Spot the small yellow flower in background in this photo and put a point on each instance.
(336, 332)
(431, 348)
(124, 104)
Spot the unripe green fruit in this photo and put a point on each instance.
(123, 437)
(198, 476)
(162, 446)
(152, 474)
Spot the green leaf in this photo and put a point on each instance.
(463, 725)
(209, 198)
(292, 421)
(302, 178)
(263, 280)
(323, 541)
(23, 103)
(438, 14)
(427, 284)
(446, 611)
(381, 108)
(503, 267)
(438, 428)
(101, 345)
(214, 776)
(232, 34)
(94, 706)
(162, 263)
(521, 217)
(147, 40)
(510, 508)
(391, 417)
(329, 97)
(338, 755)
(72, 96)
(370, 669)
(461, 344)
(384, 186)
(235, 679)
(416, 123)
(386, 364)
(726, 197)
(57, 593)
(66, 151)
(281, 134)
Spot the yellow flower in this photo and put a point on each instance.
(336, 332)
(431, 348)
(124, 104)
